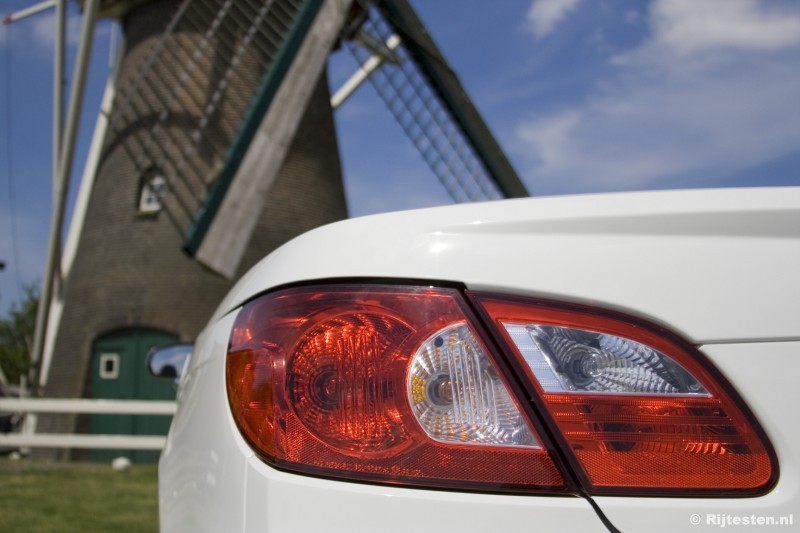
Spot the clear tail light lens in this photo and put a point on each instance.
(638, 410)
(408, 385)
(457, 395)
(576, 360)
(389, 384)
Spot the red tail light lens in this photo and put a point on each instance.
(389, 384)
(401, 385)
(636, 407)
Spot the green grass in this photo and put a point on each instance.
(37, 497)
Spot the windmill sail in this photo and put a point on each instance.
(428, 101)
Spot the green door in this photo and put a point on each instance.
(119, 371)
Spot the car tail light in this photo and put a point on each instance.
(406, 385)
(388, 384)
(638, 409)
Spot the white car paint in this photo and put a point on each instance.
(718, 267)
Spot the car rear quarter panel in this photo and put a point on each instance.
(719, 268)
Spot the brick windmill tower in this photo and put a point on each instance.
(216, 145)
(190, 102)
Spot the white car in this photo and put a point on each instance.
(590, 363)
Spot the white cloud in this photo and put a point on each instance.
(43, 29)
(681, 108)
(643, 131)
(632, 16)
(36, 34)
(688, 26)
(544, 15)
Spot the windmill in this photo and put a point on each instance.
(216, 145)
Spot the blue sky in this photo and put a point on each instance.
(584, 95)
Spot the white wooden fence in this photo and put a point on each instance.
(30, 439)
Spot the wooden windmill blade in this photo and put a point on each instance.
(439, 118)
(428, 100)
(226, 221)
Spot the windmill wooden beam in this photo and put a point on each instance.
(220, 236)
(444, 81)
